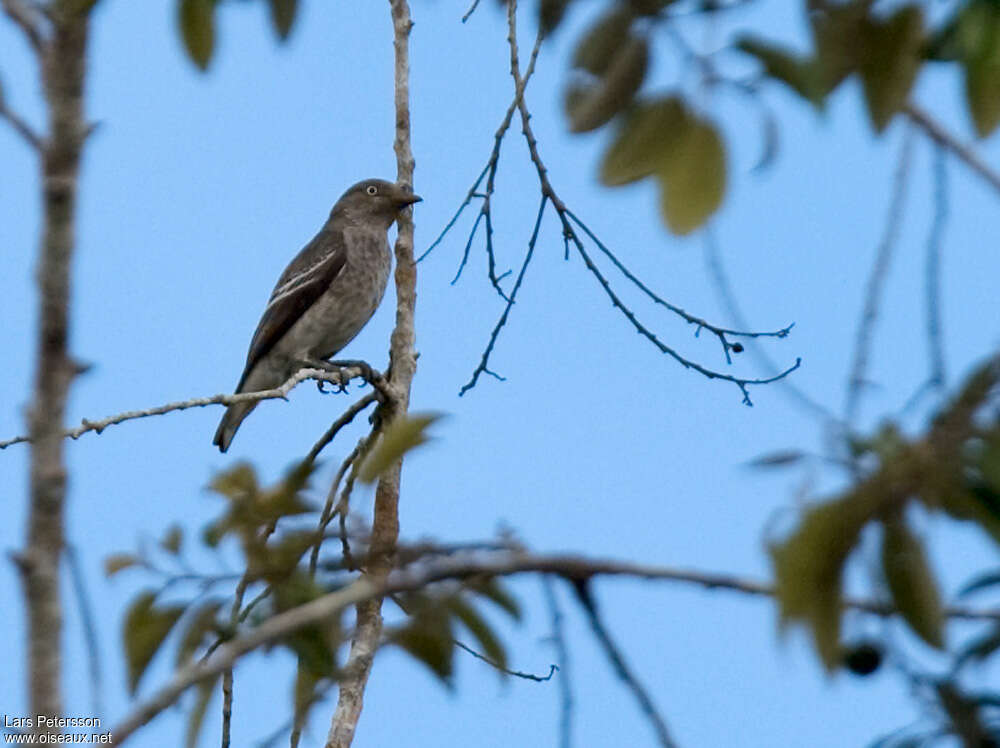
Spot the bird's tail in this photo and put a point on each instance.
(231, 421)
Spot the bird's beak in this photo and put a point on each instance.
(409, 200)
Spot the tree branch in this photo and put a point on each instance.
(876, 282)
(419, 576)
(621, 667)
(63, 72)
(570, 223)
(22, 128)
(964, 152)
(28, 22)
(403, 366)
(342, 379)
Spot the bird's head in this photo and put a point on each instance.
(374, 200)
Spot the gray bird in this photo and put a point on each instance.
(325, 296)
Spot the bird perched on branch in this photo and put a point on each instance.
(325, 296)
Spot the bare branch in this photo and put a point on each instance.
(402, 367)
(933, 270)
(63, 66)
(502, 669)
(876, 281)
(345, 418)
(570, 236)
(89, 627)
(621, 667)
(489, 171)
(717, 272)
(562, 654)
(342, 378)
(29, 22)
(470, 11)
(419, 576)
(964, 152)
(22, 128)
(483, 364)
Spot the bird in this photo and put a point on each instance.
(325, 295)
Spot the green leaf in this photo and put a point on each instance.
(493, 589)
(980, 44)
(197, 24)
(283, 16)
(315, 649)
(145, 628)
(201, 622)
(603, 41)
(693, 178)
(400, 437)
(304, 693)
(911, 582)
(591, 105)
(685, 153)
(489, 643)
(550, 14)
(172, 540)
(890, 60)
(117, 562)
(808, 570)
(647, 133)
(837, 33)
(196, 717)
(239, 483)
(428, 639)
(801, 74)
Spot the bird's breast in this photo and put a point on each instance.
(350, 301)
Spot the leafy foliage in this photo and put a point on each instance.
(196, 21)
(265, 523)
(401, 436)
(952, 468)
(146, 627)
(885, 47)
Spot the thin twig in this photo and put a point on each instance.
(483, 367)
(489, 174)
(29, 23)
(720, 332)
(933, 270)
(502, 669)
(570, 236)
(562, 654)
(235, 616)
(724, 289)
(89, 628)
(622, 670)
(470, 11)
(964, 152)
(345, 418)
(876, 281)
(22, 128)
(200, 402)
(419, 576)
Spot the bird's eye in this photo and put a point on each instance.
(371, 189)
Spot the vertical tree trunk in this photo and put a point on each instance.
(402, 355)
(63, 67)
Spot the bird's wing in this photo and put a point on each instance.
(304, 280)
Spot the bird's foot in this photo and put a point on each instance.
(330, 368)
(370, 375)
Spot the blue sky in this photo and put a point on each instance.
(198, 189)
